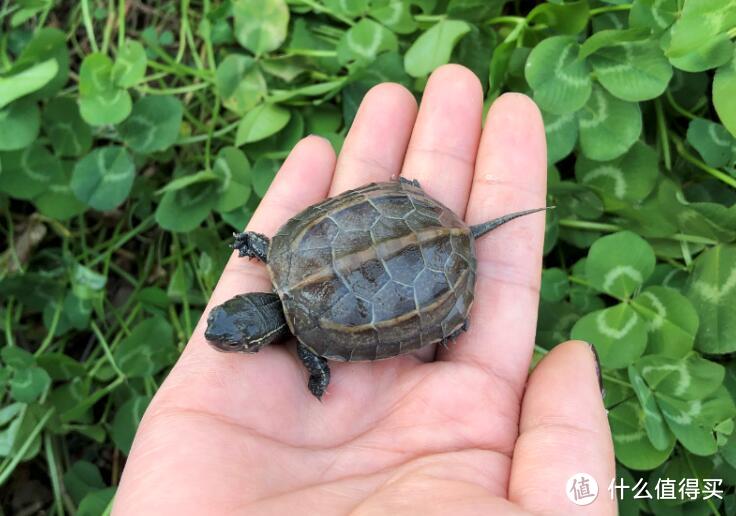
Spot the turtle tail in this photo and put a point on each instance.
(481, 229)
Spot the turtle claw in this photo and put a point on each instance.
(314, 388)
(319, 371)
(251, 244)
(452, 336)
(412, 182)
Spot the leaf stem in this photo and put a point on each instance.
(174, 91)
(429, 17)
(218, 101)
(107, 34)
(21, 452)
(181, 335)
(687, 256)
(324, 10)
(122, 240)
(8, 9)
(609, 8)
(677, 107)
(183, 7)
(203, 137)
(616, 380)
(87, 19)
(308, 52)
(516, 32)
(106, 348)
(188, 33)
(185, 293)
(691, 466)
(9, 340)
(580, 281)
(52, 329)
(685, 154)
(53, 474)
(601, 226)
(45, 14)
(121, 23)
(663, 138)
(587, 224)
(172, 66)
(92, 398)
(506, 19)
(11, 253)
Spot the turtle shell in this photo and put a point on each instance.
(374, 272)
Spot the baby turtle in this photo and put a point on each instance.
(373, 273)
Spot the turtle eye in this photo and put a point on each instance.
(224, 342)
(232, 345)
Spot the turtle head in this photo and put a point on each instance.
(246, 323)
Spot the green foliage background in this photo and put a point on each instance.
(135, 136)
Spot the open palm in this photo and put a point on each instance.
(447, 431)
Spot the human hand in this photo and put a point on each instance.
(468, 433)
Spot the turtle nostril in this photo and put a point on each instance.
(209, 334)
(217, 329)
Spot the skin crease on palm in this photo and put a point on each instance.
(468, 431)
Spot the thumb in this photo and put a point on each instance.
(563, 431)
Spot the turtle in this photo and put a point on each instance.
(372, 273)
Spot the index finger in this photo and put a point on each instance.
(210, 383)
(303, 180)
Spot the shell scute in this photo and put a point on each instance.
(387, 228)
(320, 297)
(406, 265)
(320, 235)
(446, 218)
(346, 242)
(387, 349)
(306, 260)
(418, 220)
(394, 340)
(350, 310)
(429, 209)
(357, 217)
(452, 270)
(392, 299)
(449, 323)
(431, 330)
(367, 278)
(435, 254)
(393, 206)
(430, 285)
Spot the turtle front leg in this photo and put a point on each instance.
(319, 371)
(251, 244)
(456, 333)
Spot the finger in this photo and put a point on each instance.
(510, 175)
(237, 388)
(563, 431)
(304, 179)
(441, 153)
(376, 143)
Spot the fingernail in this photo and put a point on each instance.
(598, 370)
